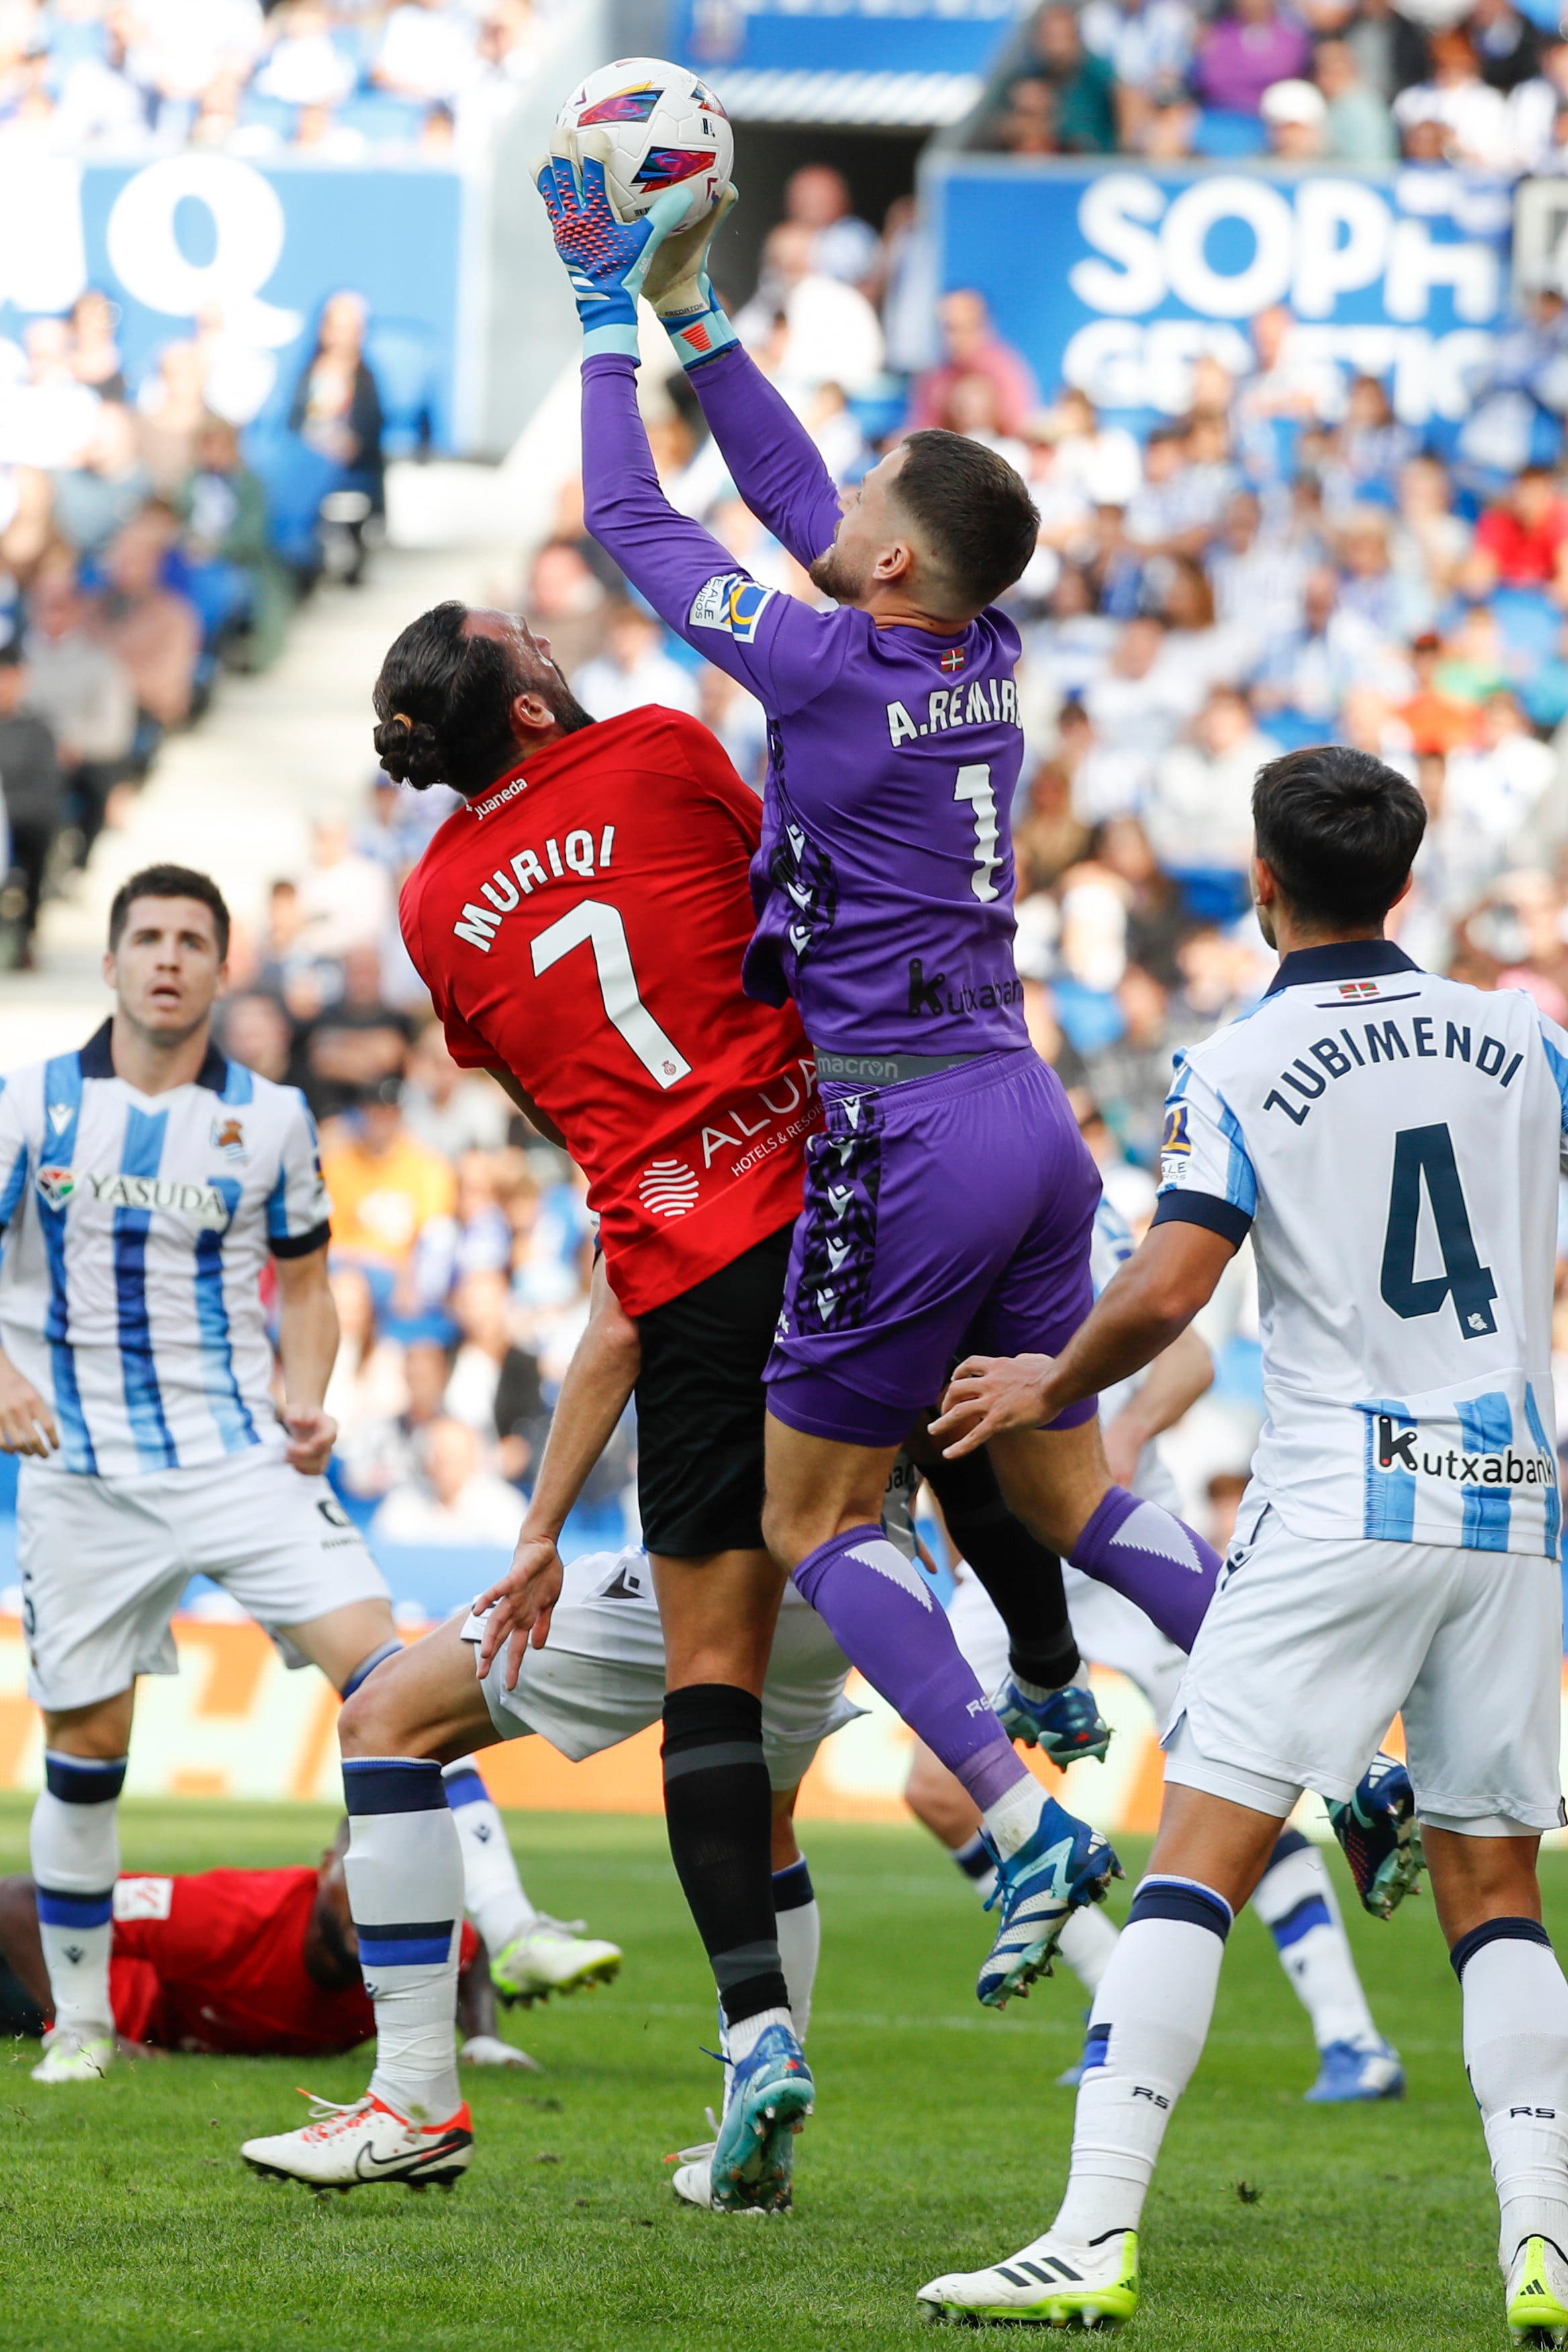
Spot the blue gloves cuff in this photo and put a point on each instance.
(610, 338)
(697, 335)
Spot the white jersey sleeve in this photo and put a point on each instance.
(297, 1209)
(13, 1158)
(1391, 1140)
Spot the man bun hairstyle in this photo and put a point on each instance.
(1339, 831)
(973, 509)
(444, 701)
(169, 882)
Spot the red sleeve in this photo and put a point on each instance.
(468, 1047)
(704, 758)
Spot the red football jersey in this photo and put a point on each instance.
(582, 925)
(215, 1962)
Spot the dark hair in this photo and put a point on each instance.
(1340, 831)
(169, 882)
(973, 507)
(444, 701)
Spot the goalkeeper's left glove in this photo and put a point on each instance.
(607, 259)
(678, 285)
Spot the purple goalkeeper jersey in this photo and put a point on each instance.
(884, 884)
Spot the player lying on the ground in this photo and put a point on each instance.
(884, 888)
(235, 1963)
(1295, 1897)
(600, 1679)
(1391, 1141)
(137, 1383)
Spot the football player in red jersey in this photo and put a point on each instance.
(239, 1963)
(580, 923)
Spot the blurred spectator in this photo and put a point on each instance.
(738, 719)
(453, 1499)
(971, 346)
(171, 409)
(1047, 838)
(1295, 115)
(1472, 118)
(1103, 461)
(224, 508)
(1198, 817)
(634, 669)
(153, 630)
(1308, 673)
(1359, 128)
(818, 198)
(304, 64)
(95, 358)
(566, 602)
(107, 487)
(1144, 698)
(30, 793)
(337, 408)
(1028, 123)
(494, 1384)
(346, 899)
(1523, 540)
(1436, 721)
(84, 691)
(1081, 84)
(810, 328)
(255, 1030)
(1245, 50)
(350, 1049)
(451, 1109)
(1146, 43)
(477, 1238)
(427, 51)
(385, 1184)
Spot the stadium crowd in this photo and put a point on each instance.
(1346, 81)
(329, 79)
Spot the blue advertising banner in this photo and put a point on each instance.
(928, 37)
(247, 253)
(1115, 278)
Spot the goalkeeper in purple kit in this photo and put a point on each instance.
(949, 1201)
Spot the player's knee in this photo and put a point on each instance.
(378, 1721)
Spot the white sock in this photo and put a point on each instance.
(1296, 1901)
(740, 2041)
(799, 1925)
(75, 1848)
(493, 1893)
(973, 1860)
(1516, 2055)
(1086, 1944)
(1014, 1817)
(404, 1874)
(1145, 2035)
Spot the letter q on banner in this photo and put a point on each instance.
(248, 223)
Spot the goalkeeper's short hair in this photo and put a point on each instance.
(973, 510)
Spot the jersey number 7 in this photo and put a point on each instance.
(1429, 1152)
(593, 924)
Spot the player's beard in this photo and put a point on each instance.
(835, 573)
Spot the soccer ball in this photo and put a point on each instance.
(667, 130)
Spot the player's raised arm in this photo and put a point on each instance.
(773, 644)
(773, 461)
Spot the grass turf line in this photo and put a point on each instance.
(129, 2224)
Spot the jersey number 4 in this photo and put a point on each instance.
(593, 924)
(1426, 1153)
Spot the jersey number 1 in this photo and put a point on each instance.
(593, 924)
(973, 785)
(1427, 1152)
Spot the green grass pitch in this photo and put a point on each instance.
(127, 2220)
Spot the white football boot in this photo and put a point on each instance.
(354, 2146)
(552, 1956)
(74, 2053)
(692, 2178)
(1051, 2282)
(1537, 2294)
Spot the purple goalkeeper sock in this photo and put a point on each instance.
(889, 1625)
(1147, 1554)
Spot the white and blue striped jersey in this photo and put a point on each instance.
(135, 1232)
(1392, 1141)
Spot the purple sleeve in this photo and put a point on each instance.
(773, 461)
(778, 647)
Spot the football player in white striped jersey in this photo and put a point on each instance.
(1391, 1141)
(145, 1184)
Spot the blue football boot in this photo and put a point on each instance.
(1381, 1836)
(1347, 2075)
(1064, 1865)
(1066, 1726)
(770, 2095)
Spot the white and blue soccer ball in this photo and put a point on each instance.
(665, 128)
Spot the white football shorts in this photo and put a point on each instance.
(1310, 1647)
(105, 1560)
(600, 1676)
(1110, 1631)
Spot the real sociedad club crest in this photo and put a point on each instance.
(56, 1185)
(228, 1137)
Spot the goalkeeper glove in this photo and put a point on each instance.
(679, 289)
(607, 259)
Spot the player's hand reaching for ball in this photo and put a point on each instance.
(520, 1606)
(27, 1424)
(988, 1394)
(312, 1434)
(678, 279)
(607, 259)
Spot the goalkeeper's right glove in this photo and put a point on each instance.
(678, 286)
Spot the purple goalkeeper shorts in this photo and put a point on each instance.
(948, 1216)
